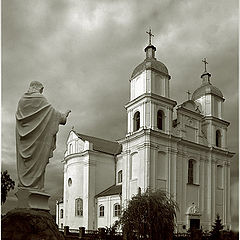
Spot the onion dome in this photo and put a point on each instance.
(150, 63)
(206, 87)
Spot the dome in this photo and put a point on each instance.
(206, 88)
(150, 63)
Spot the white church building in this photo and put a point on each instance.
(187, 156)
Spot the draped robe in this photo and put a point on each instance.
(37, 124)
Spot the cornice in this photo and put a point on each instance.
(149, 96)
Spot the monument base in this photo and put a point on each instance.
(32, 199)
(28, 224)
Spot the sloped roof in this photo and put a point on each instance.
(191, 106)
(113, 190)
(102, 145)
(206, 88)
(150, 64)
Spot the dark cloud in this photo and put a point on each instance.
(85, 51)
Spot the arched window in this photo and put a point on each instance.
(120, 176)
(190, 171)
(78, 207)
(101, 211)
(136, 121)
(160, 120)
(61, 213)
(218, 138)
(117, 210)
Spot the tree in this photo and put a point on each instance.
(149, 215)
(6, 185)
(216, 228)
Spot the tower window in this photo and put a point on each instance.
(78, 207)
(136, 121)
(101, 211)
(218, 138)
(61, 213)
(120, 176)
(117, 210)
(160, 119)
(190, 171)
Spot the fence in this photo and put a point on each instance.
(107, 234)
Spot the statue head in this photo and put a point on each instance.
(35, 87)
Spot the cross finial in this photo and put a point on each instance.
(205, 63)
(150, 35)
(189, 94)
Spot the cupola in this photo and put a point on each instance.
(208, 97)
(150, 76)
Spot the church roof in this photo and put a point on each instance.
(102, 145)
(113, 190)
(150, 63)
(207, 88)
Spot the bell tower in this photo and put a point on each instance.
(150, 106)
(210, 102)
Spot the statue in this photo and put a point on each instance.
(37, 124)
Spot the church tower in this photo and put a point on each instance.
(210, 102)
(145, 155)
(150, 106)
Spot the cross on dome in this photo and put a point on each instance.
(150, 35)
(189, 94)
(205, 63)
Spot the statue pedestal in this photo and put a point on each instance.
(25, 224)
(32, 199)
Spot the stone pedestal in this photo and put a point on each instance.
(29, 224)
(32, 199)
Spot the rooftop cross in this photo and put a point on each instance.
(205, 63)
(188, 93)
(150, 35)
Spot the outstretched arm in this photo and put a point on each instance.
(64, 116)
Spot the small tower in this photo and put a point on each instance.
(210, 102)
(149, 106)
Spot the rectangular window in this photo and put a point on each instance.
(117, 210)
(78, 207)
(101, 211)
(120, 176)
(190, 171)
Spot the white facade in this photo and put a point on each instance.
(187, 156)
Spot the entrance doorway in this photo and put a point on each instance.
(195, 223)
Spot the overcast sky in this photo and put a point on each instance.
(85, 51)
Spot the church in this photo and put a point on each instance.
(186, 155)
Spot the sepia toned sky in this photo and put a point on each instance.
(84, 52)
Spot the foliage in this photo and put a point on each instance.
(216, 229)
(149, 215)
(6, 185)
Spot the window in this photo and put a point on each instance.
(120, 176)
(78, 207)
(190, 171)
(117, 210)
(218, 138)
(61, 225)
(136, 121)
(69, 182)
(160, 118)
(101, 211)
(61, 213)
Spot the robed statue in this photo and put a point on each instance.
(37, 124)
